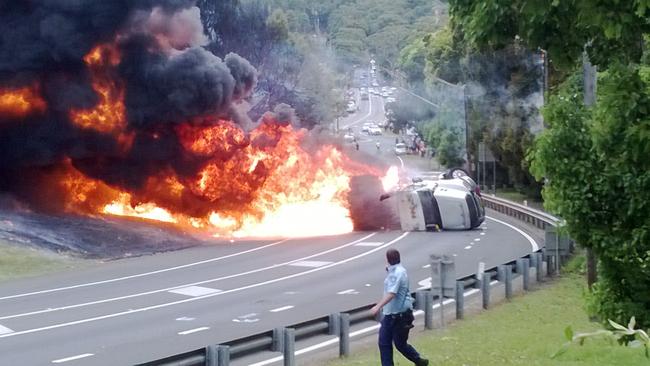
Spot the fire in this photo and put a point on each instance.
(21, 102)
(262, 185)
(391, 180)
(109, 114)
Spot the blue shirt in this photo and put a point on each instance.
(397, 282)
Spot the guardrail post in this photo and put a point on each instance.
(224, 355)
(533, 260)
(485, 290)
(460, 299)
(501, 273)
(508, 281)
(334, 324)
(526, 273)
(278, 340)
(550, 265)
(428, 311)
(344, 336)
(289, 347)
(420, 299)
(211, 355)
(540, 264)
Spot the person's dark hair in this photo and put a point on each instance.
(392, 255)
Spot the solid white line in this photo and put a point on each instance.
(62, 360)
(186, 332)
(165, 305)
(142, 274)
(532, 241)
(401, 162)
(282, 309)
(5, 330)
(48, 310)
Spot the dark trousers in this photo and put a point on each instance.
(391, 332)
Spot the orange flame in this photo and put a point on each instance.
(19, 103)
(109, 114)
(262, 185)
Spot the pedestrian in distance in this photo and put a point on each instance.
(356, 144)
(396, 307)
(377, 144)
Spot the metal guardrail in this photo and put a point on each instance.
(338, 324)
(537, 218)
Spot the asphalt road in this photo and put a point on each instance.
(140, 309)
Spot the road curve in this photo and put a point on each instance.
(141, 309)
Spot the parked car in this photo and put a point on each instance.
(400, 149)
(450, 203)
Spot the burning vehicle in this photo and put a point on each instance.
(117, 108)
(453, 202)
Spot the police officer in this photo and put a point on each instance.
(397, 310)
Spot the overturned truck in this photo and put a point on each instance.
(453, 202)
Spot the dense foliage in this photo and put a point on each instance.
(594, 159)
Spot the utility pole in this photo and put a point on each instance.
(590, 74)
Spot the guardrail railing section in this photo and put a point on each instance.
(447, 296)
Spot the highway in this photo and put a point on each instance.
(141, 309)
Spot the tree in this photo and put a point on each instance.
(591, 158)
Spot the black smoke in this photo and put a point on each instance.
(168, 79)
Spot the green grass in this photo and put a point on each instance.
(525, 331)
(18, 262)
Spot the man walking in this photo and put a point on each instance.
(397, 309)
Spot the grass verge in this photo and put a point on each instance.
(18, 262)
(525, 331)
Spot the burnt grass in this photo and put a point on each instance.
(105, 238)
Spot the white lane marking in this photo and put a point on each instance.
(185, 285)
(335, 340)
(312, 264)
(425, 283)
(348, 292)
(368, 285)
(72, 358)
(281, 309)
(482, 234)
(248, 318)
(401, 162)
(532, 241)
(184, 319)
(468, 247)
(186, 332)
(5, 330)
(455, 255)
(369, 244)
(477, 239)
(168, 304)
(426, 265)
(195, 291)
(142, 274)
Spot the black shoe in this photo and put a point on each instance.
(422, 362)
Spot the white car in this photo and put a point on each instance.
(451, 203)
(400, 149)
(349, 137)
(365, 128)
(374, 130)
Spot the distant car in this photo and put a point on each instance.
(374, 130)
(364, 96)
(349, 137)
(365, 128)
(452, 203)
(375, 84)
(400, 149)
(390, 100)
